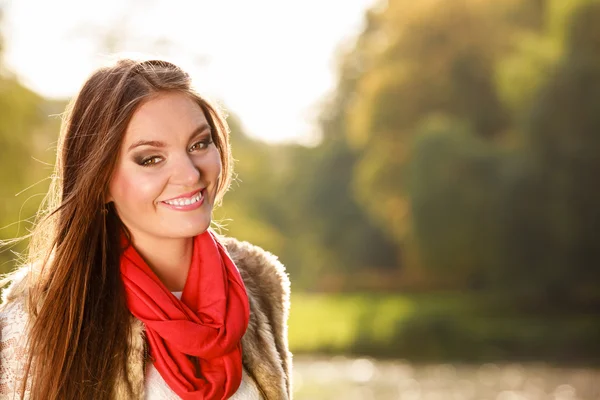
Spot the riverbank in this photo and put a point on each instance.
(447, 327)
(320, 378)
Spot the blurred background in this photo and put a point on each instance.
(426, 170)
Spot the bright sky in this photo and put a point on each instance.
(270, 62)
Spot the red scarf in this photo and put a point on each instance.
(208, 322)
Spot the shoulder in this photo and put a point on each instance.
(265, 344)
(17, 285)
(14, 315)
(14, 320)
(13, 310)
(15, 297)
(262, 272)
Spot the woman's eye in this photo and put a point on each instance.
(203, 144)
(147, 162)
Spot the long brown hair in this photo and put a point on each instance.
(78, 336)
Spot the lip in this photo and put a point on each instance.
(184, 196)
(188, 207)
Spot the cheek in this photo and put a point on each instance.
(218, 166)
(214, 167)
(119, 187)
(209, 165)
(130, 189)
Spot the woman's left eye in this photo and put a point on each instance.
(201, 145)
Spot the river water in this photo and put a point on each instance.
(367, 379)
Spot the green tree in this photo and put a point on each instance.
(565, 137)
(26, 134)
(424, 58)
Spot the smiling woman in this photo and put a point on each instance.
(128, 293)
(165, 181)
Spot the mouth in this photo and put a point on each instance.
(188, 201)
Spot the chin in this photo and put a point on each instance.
(195, 229)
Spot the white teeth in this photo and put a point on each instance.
(185, 202)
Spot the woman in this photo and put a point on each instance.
(128, 293)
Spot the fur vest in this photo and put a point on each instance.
(266, 357)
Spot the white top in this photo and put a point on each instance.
(157, 388)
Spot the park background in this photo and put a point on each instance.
(440, 228)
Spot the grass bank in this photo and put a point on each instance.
(433, 327)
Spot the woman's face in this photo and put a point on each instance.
(167, 172)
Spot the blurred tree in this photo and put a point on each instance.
(26, 133)
(565, 135)
(454, 193)
(429, 57)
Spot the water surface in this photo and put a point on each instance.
(317, 378)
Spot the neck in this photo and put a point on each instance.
(169, 259)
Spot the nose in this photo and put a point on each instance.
(185, 172)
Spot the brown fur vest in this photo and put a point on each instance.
(266, 357)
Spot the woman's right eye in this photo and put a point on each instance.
(150, 161)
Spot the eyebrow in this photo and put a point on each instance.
(157, 143)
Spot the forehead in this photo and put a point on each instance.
(166, 115)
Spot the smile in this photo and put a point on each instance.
(186, 203)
